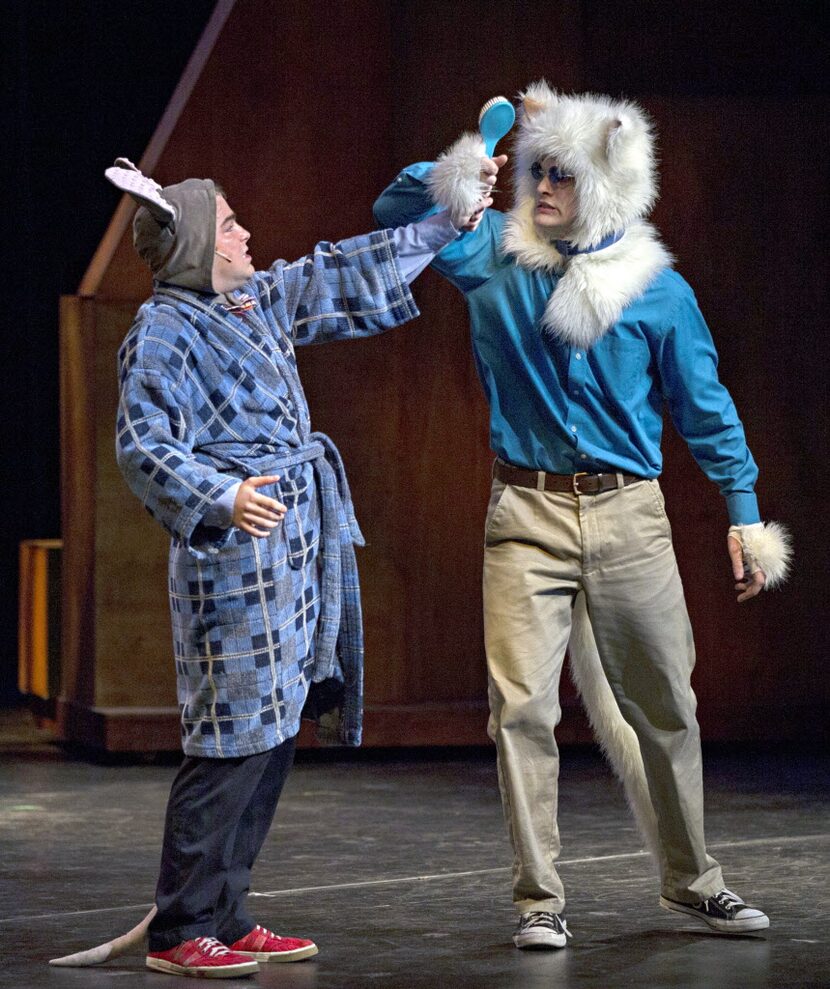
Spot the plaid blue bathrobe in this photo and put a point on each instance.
(263, 629)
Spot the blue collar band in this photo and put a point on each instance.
(568, 249)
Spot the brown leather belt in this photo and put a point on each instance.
(577, 484)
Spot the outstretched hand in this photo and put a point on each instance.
(489, 173)
(747, 584)
(256, 513)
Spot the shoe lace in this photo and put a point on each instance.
(726, 898)
(211, 946)
(541, 918)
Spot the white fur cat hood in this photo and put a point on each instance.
(608, 146)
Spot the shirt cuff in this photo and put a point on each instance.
(418, 243)
(742, 507)
(220, 513)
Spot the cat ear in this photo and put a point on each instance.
(616, 132)
(531, 106)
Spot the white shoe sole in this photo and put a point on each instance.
(203, 971)
(745, 926)
(297, 955)
(541, 941)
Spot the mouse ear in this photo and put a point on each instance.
(125, 176)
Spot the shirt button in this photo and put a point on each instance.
(578, 356)
(583, 456)
(573, 429)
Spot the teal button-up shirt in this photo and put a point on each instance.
(564, 409)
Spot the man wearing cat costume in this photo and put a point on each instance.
(581, 333)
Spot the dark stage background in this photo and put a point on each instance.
(83, 82)
(86, 81)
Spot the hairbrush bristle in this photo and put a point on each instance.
(492, 102)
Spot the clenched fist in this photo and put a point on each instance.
(489, 172)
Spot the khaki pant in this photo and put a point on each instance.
(541, 550)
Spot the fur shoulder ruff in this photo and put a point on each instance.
(594, 288)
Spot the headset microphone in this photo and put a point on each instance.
(225, 256)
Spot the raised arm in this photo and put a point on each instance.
(345, 290)
(462, 182)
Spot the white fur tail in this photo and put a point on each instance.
(615, 736)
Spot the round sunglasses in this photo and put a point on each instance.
(554, 173)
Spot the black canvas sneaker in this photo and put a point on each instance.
(541, 930)
(725, 912)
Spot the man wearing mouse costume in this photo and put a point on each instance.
(582, 332)
(214, 437)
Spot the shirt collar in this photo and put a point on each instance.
(568, 249)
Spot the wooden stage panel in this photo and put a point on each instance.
(304, 138)
(133, 651)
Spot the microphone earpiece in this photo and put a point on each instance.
(225, 256)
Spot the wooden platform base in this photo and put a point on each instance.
(156, 729)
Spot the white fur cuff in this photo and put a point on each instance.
(767, 547)
(455, 181)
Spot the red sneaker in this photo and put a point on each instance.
(266, 946)
(205, 957)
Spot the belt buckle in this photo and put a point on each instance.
(575, 482)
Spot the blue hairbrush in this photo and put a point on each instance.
(494, 121)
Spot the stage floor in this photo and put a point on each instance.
(397, 865)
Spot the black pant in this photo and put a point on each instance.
(218, 815)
